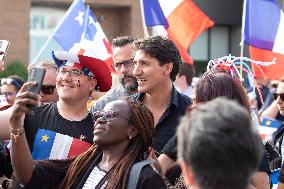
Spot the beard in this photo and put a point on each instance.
(131, 85)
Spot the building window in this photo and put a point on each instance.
(211, 44)
(199, 48)
(219, 42)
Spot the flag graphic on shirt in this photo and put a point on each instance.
(51, 145)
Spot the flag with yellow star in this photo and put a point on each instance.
(267, 127)
(52, 145)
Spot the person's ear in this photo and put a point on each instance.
(168, 67)
(93, 84)
(188, 174)
(132, 132)
(182, 77)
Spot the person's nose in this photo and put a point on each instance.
(137, 70)
(41, 94)
(100, 120)
(123, 69)
(278, 100)
(66, 76)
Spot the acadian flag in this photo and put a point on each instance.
(52, 145)
(180, 20)
(81, 33)
(264, 33)
(267, 127)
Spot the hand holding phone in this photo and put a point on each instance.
(4, 46)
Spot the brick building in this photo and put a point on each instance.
(28, 23)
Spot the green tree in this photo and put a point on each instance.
(15, 68)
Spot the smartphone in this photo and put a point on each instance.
(37, 75)
(4, 45)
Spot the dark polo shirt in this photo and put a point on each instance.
(169, 121)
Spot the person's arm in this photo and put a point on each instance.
(5, 116)
(169, 155)
(260, 180)
(165, 162)
(280, 186)
(271, 111)
(21, 157)
(281, 178)
(2, 66)
(148, 178)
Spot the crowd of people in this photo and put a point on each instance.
(155, 129)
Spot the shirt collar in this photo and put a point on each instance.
(174, 98)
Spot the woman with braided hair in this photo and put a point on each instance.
(123, 136)
(213, 83)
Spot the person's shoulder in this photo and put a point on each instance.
(47, 108)
(148, 170)
(112, 95)
(184, 101)
(150, 179)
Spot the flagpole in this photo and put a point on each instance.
(146, 34)
(86, 22)
(242, 37)
(54, 31)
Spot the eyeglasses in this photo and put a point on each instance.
(127, 63)
(107, 115)
(276, 95)
(47, 89)
(72, 73)
(7, 94)
(9, 81)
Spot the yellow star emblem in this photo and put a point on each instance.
(267, 122)
(44, 138)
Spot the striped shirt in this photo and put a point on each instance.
(94, 178)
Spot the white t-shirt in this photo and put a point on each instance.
(94, 178)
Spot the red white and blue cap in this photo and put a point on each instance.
(90, 66)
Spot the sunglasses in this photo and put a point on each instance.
(276, 95)
(107, 115)
(7, 94)
(127, 63)
(47, 89)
